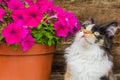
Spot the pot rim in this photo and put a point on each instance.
(37, 49)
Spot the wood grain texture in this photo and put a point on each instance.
(103, 11)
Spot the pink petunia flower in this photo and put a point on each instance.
(28, 42)
(33, 16)
(7, 1)
(73, 21)
(18, 15)
(14, 34)
(16, 5)
(45, 6)
(61, 29)
(51, 0)
(42, 0)
(30, 2)
(1, 2)
(68, 22)
(2, 13)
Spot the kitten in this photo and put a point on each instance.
(89, 56)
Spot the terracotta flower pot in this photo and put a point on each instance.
(34, 64)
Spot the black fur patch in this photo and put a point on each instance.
(104, 78)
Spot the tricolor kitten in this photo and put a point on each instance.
(89, 56)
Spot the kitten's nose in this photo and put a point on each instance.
(87, 32)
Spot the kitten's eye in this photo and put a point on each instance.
(96, 33)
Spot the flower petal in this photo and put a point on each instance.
(28, 42)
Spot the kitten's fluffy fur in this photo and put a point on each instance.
(87, 60)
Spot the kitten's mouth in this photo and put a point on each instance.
(84, 37)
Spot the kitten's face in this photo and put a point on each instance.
(91, 35)
(94, 34)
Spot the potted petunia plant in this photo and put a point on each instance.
(29, 31)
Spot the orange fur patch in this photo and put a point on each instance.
(67, 74)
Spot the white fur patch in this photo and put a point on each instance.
(86, 63)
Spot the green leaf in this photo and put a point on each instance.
(27, 5)
(15, 46)
(45, 24)
(1, 37)
(49, 35)
(39, 26)
(35, 1)
(46, 34)
(49, 42)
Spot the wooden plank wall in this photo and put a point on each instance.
(103, 11)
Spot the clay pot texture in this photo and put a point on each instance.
(34, 64)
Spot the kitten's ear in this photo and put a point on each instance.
(88, 22)
(111, 29)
